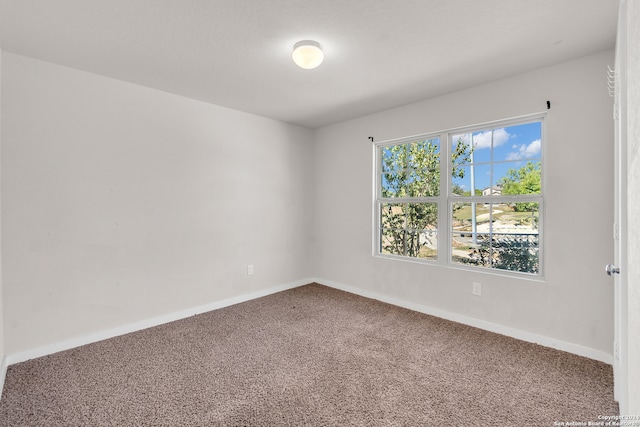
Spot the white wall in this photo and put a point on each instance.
(121, 203)
(575, 303)
(633, 191)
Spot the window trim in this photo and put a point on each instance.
(378, 200)
(445, 199)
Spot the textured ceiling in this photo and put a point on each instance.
(237, 53)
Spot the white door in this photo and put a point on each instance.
(618, 270)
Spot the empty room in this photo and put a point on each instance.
(295, 212)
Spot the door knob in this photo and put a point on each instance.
(611, 269)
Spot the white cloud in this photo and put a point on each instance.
(525, 151)
(483, 140)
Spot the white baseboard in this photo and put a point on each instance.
(148, 323)
(144, 324)
(481, 324)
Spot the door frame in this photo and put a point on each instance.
(620, 350)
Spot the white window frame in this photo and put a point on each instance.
(378, 200)
(445, 199)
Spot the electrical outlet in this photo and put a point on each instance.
(477, 288)
(250, 270)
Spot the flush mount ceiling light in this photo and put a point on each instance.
(307, 54)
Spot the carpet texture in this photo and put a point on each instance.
(311, 356)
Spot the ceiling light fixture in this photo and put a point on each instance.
(307, 54)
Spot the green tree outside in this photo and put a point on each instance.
(525, 180)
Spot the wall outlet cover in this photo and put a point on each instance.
(477, 288)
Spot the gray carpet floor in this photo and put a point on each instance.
(311, 356)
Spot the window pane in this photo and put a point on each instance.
(392, 215)
(463, 215)
(461, 149)
(516, 178)
(482, 179)
(515, 218)
(392, 241)
(524, 143)
(422, 216)
(428, 244)
(394, 158)
(425, 154)
(409, 229)
(422, 244)
(516, 252)
(467, 250)
(396, 184)
(461, 181)
(423, 183)
(503, 236)
(481, 152)
(413, 243)
(466, 238)
(478, 176)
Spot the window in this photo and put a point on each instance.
(486, 214)
(408, 202)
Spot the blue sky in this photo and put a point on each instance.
(512, 146)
